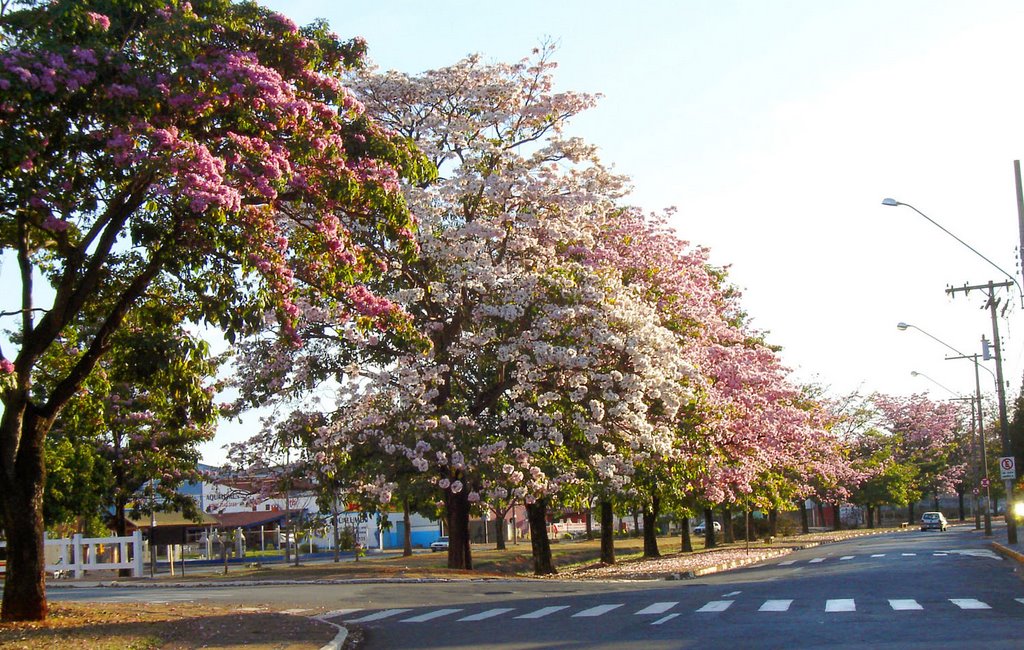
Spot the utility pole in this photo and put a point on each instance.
(980, 426)
(1004, 424)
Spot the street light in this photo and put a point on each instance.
(894, 203)
(915, 373)
(979, 425)
(992, 305)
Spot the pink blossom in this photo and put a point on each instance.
(98, 20)
(6, 366)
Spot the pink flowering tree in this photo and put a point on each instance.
(924, 437)
(212, 146)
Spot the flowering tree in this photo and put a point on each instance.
(211, 145)
(923, 438)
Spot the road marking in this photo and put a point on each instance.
(731, 594)
(847, 557)
(908, 554)
(878, 555)
(658, 608)
(498, 611)
(293, 611)
(940, 554)
(544, 611)
(775, 606)
(665, 619)
(1020, 600)
(904, 604)
(716, 606)
(429, 616)
(816, 560)
(596, 611)
(840, 605)
(977, 552)
(387, 613)
(787, 562)
(335, 613)
(968, 603)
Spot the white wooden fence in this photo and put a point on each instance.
(80, 554)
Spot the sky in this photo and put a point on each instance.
(776, 129)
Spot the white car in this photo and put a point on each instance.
(936, 520)
(439, 544)
(699, 528)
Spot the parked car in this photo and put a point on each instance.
(936, 520)
(439, 544)
(699, 528)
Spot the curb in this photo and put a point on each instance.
(1007, 552)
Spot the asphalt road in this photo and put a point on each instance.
(901, 590)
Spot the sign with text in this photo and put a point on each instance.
(1007, 467)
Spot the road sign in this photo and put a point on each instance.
(1007, 468)
(984, 482)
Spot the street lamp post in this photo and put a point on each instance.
(979, 425)
(1011, 522)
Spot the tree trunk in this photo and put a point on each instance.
(651, 528)
(960, 500)
(878, 515)
(709, 528)
(871, 516)
(636, 523)
(406, 530)
(805, 526)
(686, 542)
(537, 515)
(910, 513)
(607, 532)
(728, 535)
(22, 477)
(459, 555)
(773, 522)
(590, 523)
(836, 517)
(499, 529)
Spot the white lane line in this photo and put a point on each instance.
(775, 606)
(1020, 600)
(968, 603)
(335, 613)
(904, 604)
(491, 613)
(731, 594)
(787, 563)
(664, 619)
(429, 616)
(544, 611)
(716, 606)
(878, 555)
(840, 605)
(847, 557)
(596, 611)
(658, 608)
(387, 613)
(816, 560)
(908, 554)
(940, 554)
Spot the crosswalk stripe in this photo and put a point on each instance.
(775, 606)
(387, 613)
(847, 557)
(840, 605)
(908, 554)
(429, 616)
(878, 555)
(664, 619)
(816, 560)
(904, 604)
(335, 613)
(544, 611)
(716, 606)
(787, 562)
(968, 603)
(658, 608)
(596, 611)
(1020, 600)
(491, 613)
